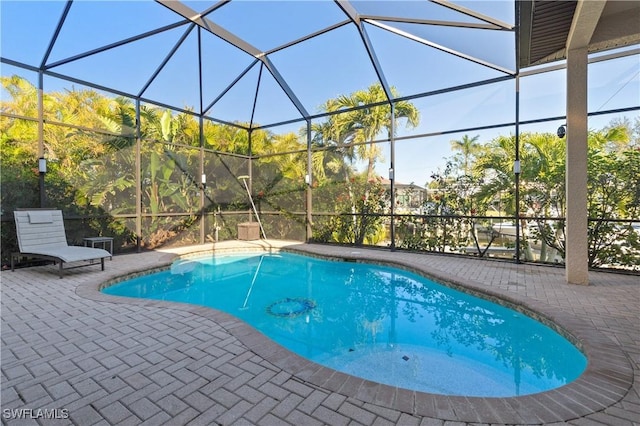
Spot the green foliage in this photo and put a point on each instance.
(613, 196)
(95, 154)
(360, 204)
(451, 208)
(93, 172)
(348, 132)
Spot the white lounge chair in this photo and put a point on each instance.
(41, 235)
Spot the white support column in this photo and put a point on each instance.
(576, 258)
(585, 21)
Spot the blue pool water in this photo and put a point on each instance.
(375, 322)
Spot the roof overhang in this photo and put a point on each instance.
(546, 27)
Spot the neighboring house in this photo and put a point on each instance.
(409, 197)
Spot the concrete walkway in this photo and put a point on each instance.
(71, 352)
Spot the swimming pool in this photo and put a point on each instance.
(379, 323)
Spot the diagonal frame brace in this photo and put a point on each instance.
(215, 29)
(355, 17)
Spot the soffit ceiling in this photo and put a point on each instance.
(544, 27)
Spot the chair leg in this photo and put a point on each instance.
(102, 263)
(60, 270)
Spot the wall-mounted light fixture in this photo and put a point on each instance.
(42, 168)
(562, 131)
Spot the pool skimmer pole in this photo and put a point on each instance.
(244, 178)
(253, 281)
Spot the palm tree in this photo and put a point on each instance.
(495, 160)
(362, 125)
(226, 138)
(468, 148)
(616, 137)
(23, 94)
(333, 154)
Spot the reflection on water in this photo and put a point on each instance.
(378, 323)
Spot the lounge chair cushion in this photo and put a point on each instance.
(40, 216)
(73, 253)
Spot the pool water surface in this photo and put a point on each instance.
(376, 322)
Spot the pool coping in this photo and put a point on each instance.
(606, 380)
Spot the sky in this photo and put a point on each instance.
(319, 69)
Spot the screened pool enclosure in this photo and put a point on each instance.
(432, 126)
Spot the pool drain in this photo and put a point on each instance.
(290, 307)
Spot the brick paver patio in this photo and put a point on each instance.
(70, 352)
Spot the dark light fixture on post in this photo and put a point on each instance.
(562, 131)
(42, 169)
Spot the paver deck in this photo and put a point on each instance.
(71, 352)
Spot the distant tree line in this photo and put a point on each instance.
(91, 144)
